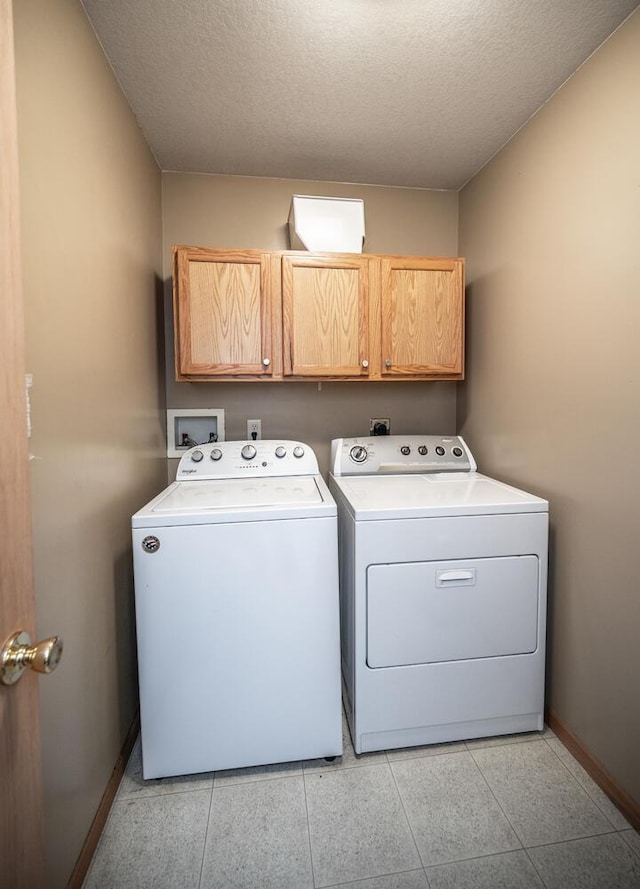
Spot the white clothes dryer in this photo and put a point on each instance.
(236, 591)
(443, 592)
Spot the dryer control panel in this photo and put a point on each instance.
(239, 459)
(391, 454)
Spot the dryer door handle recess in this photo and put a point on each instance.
(458, 577)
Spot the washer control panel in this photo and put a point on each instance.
(237, 459)
(400, 454)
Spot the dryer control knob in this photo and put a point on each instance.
(197, 456)
(216, 454)
(457, 452)
(248, 452)
(406, 450)
(298, 451)
(358, 454)
(422, 450)
(440, 451)
(281, 452)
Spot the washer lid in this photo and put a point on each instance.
(439, 494)
(237, 500)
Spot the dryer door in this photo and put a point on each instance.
(429, 612)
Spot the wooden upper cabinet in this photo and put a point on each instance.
(325, 315)
(222, 313)
(422, 317)
(273, 315)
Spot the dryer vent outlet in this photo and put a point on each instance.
(379, 426)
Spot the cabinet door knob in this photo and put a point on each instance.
(266, 362)
(365, 363)
(387, 362)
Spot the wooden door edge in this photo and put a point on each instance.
(21, 819)
(90, 845)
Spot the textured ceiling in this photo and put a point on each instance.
(389, 92)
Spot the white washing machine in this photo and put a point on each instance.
(443, 580)
(236, 591)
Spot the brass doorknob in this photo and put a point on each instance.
(18, 654)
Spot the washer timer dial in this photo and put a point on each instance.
(358, 454)
(248, 452)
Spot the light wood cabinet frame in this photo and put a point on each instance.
(421, 316)
(223, 313)
(325, 315)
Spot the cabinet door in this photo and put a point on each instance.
(222, 310)
(422, 316)
(325, 301)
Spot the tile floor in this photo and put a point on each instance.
(514, 812)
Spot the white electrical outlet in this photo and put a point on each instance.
(254, 430)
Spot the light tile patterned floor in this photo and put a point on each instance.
(516, 812)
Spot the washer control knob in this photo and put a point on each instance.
(216, 454)
(358, 454)
(457, 452)
(197, 456)
(406, 450)
(281, 452)
(440, 451)
(248, 452)
(423, 450)
(298, 451)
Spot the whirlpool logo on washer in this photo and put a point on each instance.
(187, 471)
(151, 544)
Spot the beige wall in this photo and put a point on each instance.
(91, 249)
(550, 230)
(236, 211)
